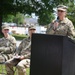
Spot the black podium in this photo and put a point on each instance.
(52, 55)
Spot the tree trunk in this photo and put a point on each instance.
(1, 25)
(1, 14)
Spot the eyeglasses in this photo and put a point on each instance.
(60, 11)
(32, 29)
(6, 29)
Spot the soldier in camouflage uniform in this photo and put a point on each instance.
(7, 44)
(62, 25)
(22, 61)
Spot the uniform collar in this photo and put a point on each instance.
(64, 20)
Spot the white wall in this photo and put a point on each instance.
(22, 30)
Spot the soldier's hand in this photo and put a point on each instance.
(56, 25)
(22, 57)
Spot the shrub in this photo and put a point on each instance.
(19, 36)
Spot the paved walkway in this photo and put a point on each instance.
(18, 42)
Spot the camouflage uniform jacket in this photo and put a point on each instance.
(7, 47)
(64, 28)
(25, 47)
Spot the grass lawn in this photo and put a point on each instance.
(28, 71)
(3, 71)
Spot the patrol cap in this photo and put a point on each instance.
(32, 27)
(62, 7)
(5, 26)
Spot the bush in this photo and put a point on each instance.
(19, 36)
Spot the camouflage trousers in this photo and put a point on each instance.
(20, 65)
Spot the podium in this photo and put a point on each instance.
(52, 55)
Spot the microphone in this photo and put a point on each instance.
(56, 23)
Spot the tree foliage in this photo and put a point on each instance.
(19, 18)
(8, 18)
(42, 8)
(71, 12)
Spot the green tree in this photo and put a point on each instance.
(6, 7)
(71, 12)
(19, 19)
(45, 18)
(8, 18)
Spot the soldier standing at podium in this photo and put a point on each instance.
(62, 25)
